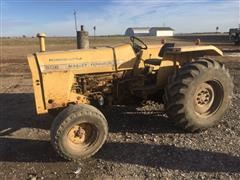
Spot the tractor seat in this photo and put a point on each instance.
(154, 62)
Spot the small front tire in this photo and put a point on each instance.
(78, 132)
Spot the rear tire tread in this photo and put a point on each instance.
(175, 90)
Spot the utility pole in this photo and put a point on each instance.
(217, 28)
(75, 18)
(94, 29)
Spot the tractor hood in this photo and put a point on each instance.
(95, 60)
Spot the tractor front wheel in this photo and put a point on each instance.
(78, 132)
(198, 95)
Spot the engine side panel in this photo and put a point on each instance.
(55, 72)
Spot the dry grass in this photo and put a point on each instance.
(16, 49)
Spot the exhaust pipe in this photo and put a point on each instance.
(82, 39)
(42, 37)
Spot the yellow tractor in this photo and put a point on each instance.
(197, 90)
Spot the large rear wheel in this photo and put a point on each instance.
(198, 95)
(78, 132)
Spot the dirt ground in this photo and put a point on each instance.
(139, 145)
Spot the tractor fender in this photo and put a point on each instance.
(196, 51)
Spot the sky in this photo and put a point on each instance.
(55, 17)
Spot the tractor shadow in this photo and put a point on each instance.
(17, 111)
(128, 119)
(27, 150)
(169, 157)
(149, 155)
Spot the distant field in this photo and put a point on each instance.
(102, 40)
(16, 49)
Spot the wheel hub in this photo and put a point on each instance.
(78, 134)
(203, 98)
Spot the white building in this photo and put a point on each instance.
(149, 31)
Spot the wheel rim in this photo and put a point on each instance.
(82, 135)
(208, 98)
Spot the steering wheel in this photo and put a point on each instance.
(140, 45)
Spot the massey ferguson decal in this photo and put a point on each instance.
(64, 67)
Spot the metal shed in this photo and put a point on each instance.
(161, 31)
(149, 31)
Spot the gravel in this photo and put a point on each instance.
(142, 144)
